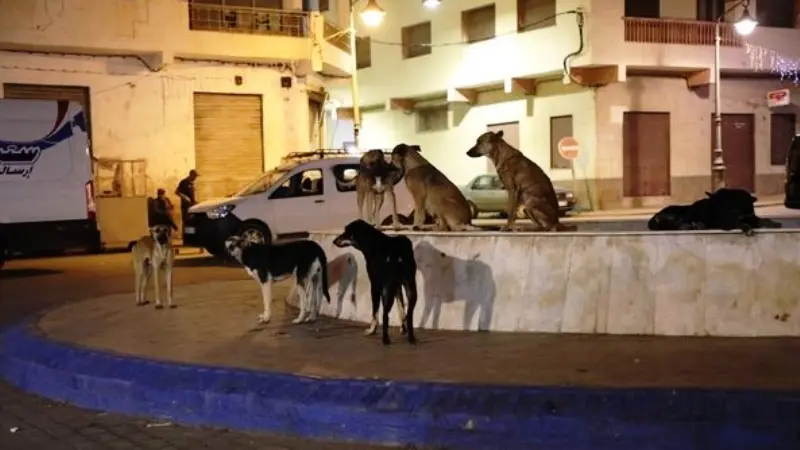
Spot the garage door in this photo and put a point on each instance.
(229, 151)
(78, 94)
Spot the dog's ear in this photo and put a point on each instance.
(400, 149)
(753, 198)
(708, 194)
(415, 148)
(499, 134)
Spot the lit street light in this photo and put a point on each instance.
(431, 4)
(744, 26)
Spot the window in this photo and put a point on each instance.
(535, 14)
(497, 183)
(432, 118)
(478, 24)
(482, 183)
(345, 176)
(416, 40)
(776, 13)
(782, 131)
(643, 8)
(560, 127)
(303, 184)
(710, 10)
(363, 52)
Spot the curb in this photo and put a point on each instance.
(401, 413)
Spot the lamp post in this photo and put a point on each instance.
(371, 15)
(744, 26)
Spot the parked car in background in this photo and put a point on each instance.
(486, 194)
(310, 191)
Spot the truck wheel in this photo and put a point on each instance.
(256, 232)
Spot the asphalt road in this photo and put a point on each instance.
(31, 423)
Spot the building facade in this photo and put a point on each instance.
(223, 86)
(631, 80)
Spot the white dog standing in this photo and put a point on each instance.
(151, 254)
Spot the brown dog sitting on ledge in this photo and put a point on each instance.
(525, 181)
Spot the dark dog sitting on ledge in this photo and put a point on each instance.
(725, 209)
(391, 268)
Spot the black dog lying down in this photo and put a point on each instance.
(390, 267)
(725, 209)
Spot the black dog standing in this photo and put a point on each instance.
(391, 268)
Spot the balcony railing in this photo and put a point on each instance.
(339, 37)
(248, 20)
(675, 31)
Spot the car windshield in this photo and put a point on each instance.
(265, 182)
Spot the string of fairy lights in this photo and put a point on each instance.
(763, 59)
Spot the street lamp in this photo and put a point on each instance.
(744, 26)
(371, 15)
(431, 4)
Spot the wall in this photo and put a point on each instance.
(684, 284)
(446, 149)
(140, 114)
(459, 65)
(690, 131)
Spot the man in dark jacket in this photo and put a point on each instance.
(161, 213)
(185, 191)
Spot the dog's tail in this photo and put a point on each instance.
(323, 271)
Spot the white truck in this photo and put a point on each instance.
(46, 186)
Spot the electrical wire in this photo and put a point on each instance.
(526, 27)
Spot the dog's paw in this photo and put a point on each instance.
(416, 228)
(386, 340)
(310, 319)
(412, 339)
(403, 329)
(750, 232)
(142, 303)
(173, 306)
(369, 331)
(159, 306)
(298, 319)
(262, 318)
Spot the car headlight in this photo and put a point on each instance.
(220, 211)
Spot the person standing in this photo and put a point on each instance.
(185, 191)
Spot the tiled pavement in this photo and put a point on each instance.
(30, 423)
(215, 325)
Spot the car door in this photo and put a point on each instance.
(479, 192)
(497, 195)
(341, 194)
(299, 205)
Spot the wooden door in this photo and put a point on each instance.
(646, 154)
(738, 150)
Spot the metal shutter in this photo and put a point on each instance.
(228, 142)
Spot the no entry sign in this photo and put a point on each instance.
(569, 148)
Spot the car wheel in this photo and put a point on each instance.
(473, 209)
(255, 232)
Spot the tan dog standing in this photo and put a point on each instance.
(376, 178)
(525, 181)
(151, 254)
(432, 191)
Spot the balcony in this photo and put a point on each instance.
(682, 32)
(248, 20)
(338, 37)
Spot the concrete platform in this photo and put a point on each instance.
(206, 364)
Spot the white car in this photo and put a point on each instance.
(311, 191)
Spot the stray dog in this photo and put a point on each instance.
(433, 193)
(151, 254)
(376, 177)
(390, 267)
(525, 182)
(725, 209)
(266, 263)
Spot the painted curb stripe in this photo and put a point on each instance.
(387, 412)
